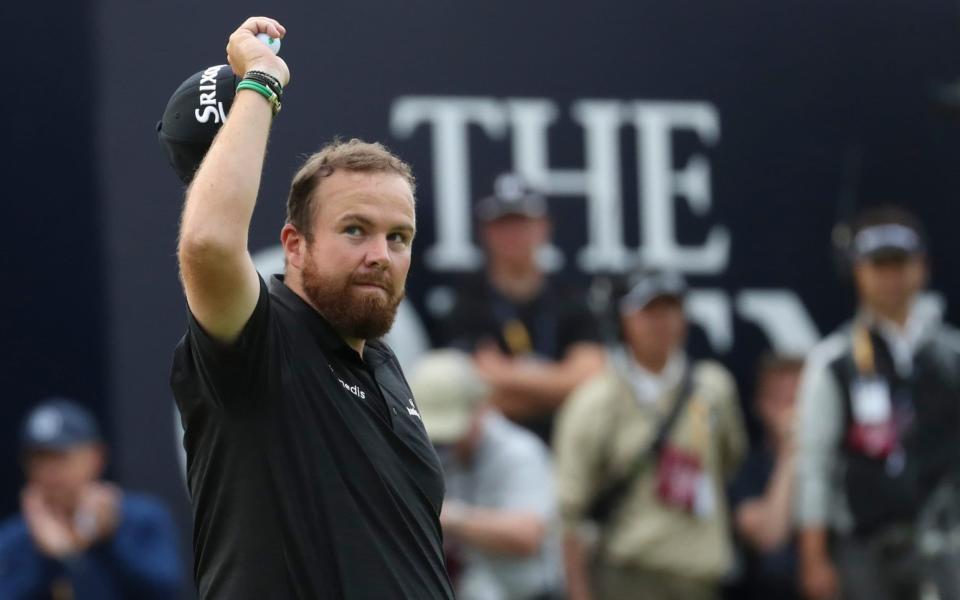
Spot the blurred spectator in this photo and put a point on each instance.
(78, 537)
(879, 423)
(762, 493)
(499, 515)
(533, 340)
(647, 450)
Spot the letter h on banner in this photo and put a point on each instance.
(599, 182)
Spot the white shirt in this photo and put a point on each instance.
(511, 470)
(648, 387)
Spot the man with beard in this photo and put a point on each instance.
(309, 468)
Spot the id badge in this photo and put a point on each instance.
(873, 432)
(679, 475)
(870, 397)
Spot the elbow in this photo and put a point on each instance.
(529, 540)
(199, 247)
(770, 540)
(759, 529)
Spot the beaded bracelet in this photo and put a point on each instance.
(266, 79)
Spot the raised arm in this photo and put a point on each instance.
(219, 278)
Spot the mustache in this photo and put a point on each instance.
(378, 279)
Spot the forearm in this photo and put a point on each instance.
(547, 384)
(766, 522)
(575, 566)
(819, 432)
(220, 202)
(500, 532)
(813, 544)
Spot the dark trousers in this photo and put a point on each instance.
(878, 568)
(888, 566)
(630, 583)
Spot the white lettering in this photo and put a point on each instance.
(208, 111)
(353, 389)
(659, 183)
(450, 119)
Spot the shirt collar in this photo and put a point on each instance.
(647, 386)
(922, 320)
(374, 351)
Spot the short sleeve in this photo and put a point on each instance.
(206, 369)
(527, 484)
(578, 324)
(731, 419)
(470, 321)
(752, 478)
(819, 431)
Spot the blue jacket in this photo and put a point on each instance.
(140, 561)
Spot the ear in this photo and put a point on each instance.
(544, 230)
(103, 457)
(294, 245)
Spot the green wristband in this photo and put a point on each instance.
(263, 90)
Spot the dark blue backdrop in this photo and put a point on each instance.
(815, 101)
(53, 313)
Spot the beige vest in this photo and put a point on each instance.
(602, 429)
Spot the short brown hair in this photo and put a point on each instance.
(771, 362)
(355, 155)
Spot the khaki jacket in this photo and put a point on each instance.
(602, 429)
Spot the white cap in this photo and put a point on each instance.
(447, 389)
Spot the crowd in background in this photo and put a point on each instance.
(588, 456)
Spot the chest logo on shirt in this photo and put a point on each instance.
(356, 390)
(412, 410)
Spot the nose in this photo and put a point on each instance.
(378, 252)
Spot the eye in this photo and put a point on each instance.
(353, 230)
(399, 238)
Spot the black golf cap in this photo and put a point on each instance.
(58, 424)
(636, 291)
(511, 196)
(193, 116)
(887, 241)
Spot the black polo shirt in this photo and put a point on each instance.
(309, 468)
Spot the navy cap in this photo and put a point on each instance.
(193, 116)
(58, 424)
(643, 288)
(511, 196)
(889, 240)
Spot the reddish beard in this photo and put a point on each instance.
(353, 313)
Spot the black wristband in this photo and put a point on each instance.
(266, 79)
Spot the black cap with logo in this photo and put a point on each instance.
(511, 196)
(638, 290)
(193, 116)
(58, 424)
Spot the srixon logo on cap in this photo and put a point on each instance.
(209, 106)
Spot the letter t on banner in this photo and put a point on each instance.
(450, 117)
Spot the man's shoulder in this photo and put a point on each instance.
(13, 532)
(595, 398)
(508, 438)
(711, 372)
(830, 349)
(948, 336)
(470, 287)
(604, 388)
(138, 506)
